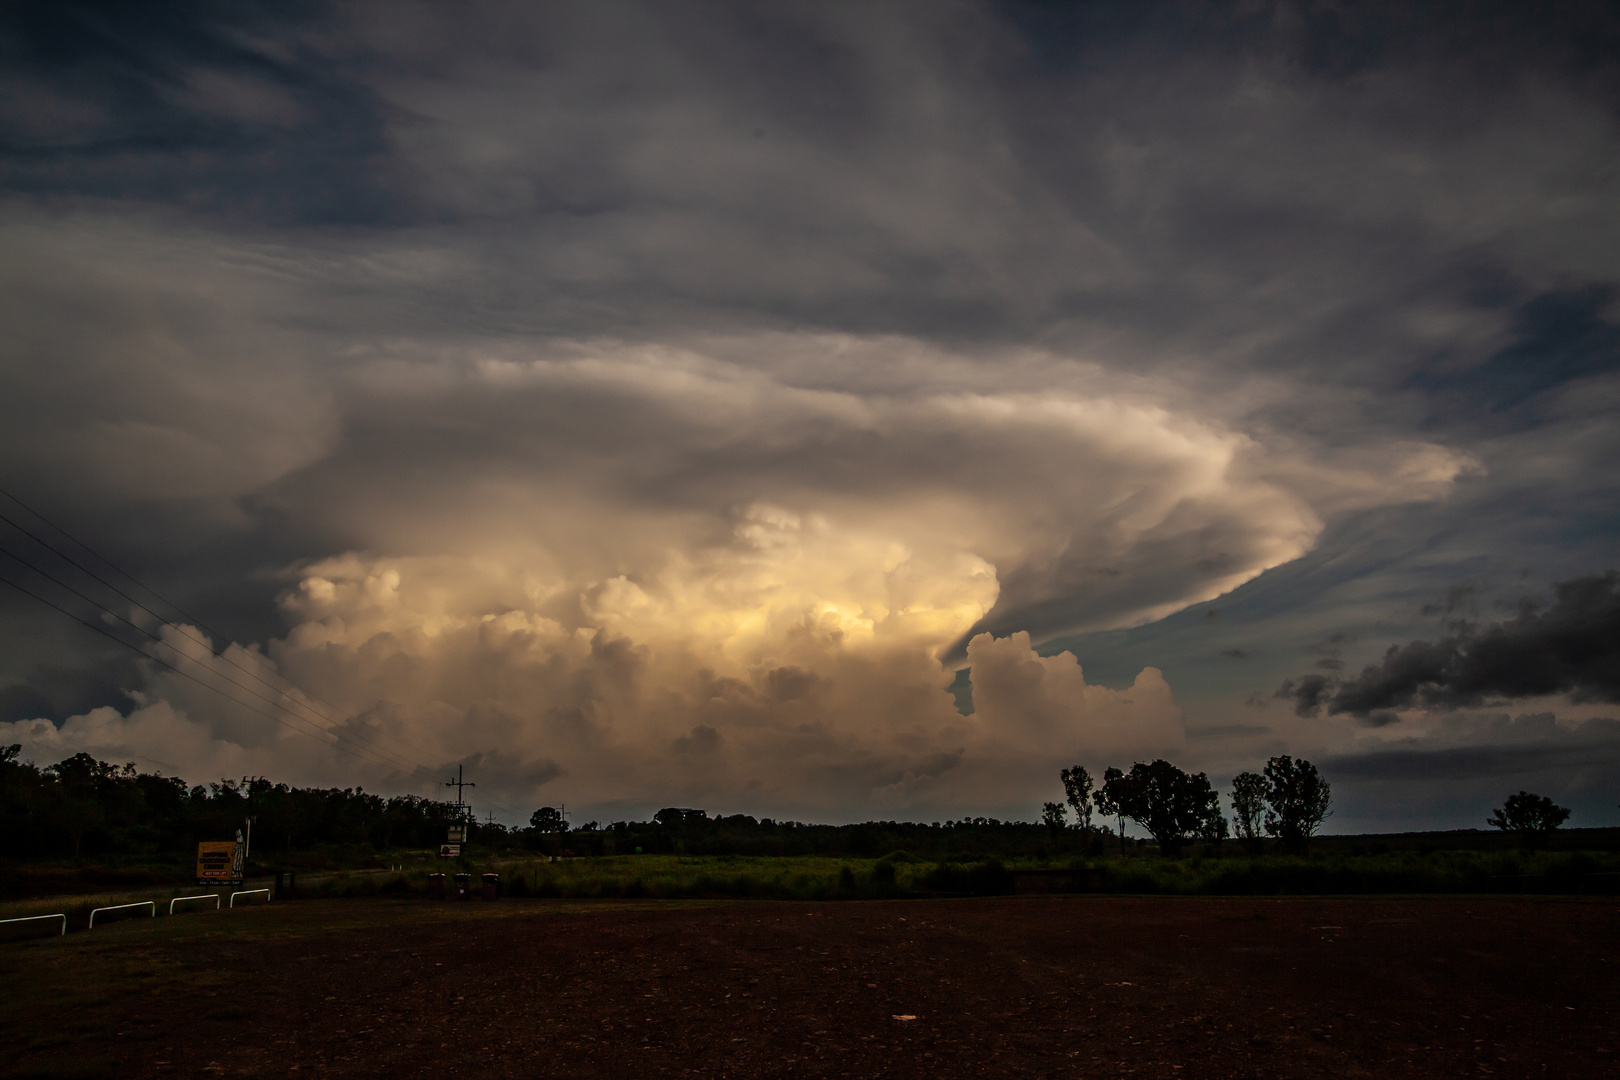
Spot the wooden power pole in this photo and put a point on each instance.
(458, 783)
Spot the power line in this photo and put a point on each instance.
(370, 747)
(358, 751)
(398, 759)
(343, 715)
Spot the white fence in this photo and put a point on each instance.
(205, 896)
(251, 892)
(38, 918)
(123, 907)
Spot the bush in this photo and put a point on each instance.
(988, 878)
(396, 885)
(883, 875)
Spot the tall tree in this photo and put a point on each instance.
(1298, 800)
(1108, 805)
(1077, 791)
(1531, 816)
(1169, 803)
(1249, 808)
(1054, 817)
(548, 819)
(1212, 829)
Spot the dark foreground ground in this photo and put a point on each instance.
(1028, 987)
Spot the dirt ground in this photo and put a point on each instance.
(1026, 987)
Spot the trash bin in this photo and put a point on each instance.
(435, 887)
(492, 886)
(463, 886)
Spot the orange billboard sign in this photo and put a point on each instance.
(219, 862)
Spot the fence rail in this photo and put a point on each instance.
(123, 907)
(205, 896)
(251, 892)
(39, 918)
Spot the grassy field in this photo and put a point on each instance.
(897, 875)
(669, 877)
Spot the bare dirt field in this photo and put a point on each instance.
(1026, 987)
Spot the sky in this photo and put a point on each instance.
(824, 411)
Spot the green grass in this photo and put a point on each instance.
(826, 878)
(630, 877)
(1332, 873)
(671, 877)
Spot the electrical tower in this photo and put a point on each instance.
(458, 783)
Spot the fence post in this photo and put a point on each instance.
(205, 896)
(122, 907)
(40, 918)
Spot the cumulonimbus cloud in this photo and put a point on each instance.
(616, 575)
(724, 685)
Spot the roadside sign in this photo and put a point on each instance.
(219, 862)
(449, 851)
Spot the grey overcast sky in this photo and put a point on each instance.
(825, 410)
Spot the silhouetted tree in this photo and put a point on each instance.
(672, 817)
(548, 819)
(1213, 830)
(1108, 805)
(1531, 816)
(1169, 803)
(1249, 808)
(1077, 791)
(1054, 817)
(1298, 800)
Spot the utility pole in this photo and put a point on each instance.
(458, 783)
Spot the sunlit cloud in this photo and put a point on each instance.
(652, 407)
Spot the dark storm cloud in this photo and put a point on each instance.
(1500, 748)
(1307, 694)
(1454, 775)
(236, 110)
(1129, 302)
(1573, 647)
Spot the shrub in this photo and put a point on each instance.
(883, 874)
(988, 878)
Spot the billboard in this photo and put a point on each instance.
(219, 862)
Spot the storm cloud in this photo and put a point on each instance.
(1572, 647)
(661, 403)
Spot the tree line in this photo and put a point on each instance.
(1289, 801)
(684, 830)
(81, 806)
